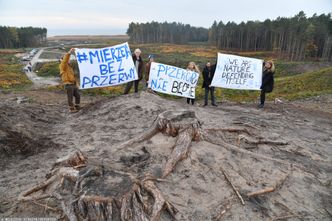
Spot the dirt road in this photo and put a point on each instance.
(40, 82)
(284, 147)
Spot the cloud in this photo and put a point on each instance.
(71, 21)
(117, 14)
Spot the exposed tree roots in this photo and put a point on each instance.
(84, 190)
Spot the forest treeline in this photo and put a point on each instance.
(295, 38)
(13, 37)
(175, 33)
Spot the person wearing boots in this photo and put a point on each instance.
(267, 81)
(68, 78)
(208, 73)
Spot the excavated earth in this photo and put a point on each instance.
(279, 158)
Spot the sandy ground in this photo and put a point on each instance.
(34, 134)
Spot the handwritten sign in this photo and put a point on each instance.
(105, 67)
(172, 80)
(238, 72)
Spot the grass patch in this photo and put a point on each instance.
(290, 88)
(11, 71)
(51, 55)
(178, 55)
(105, 91)
(284, 69)
(304, 85)
(48, 69)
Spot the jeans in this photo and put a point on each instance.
(206, 98)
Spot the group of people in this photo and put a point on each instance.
(28, 67)
(71, 87)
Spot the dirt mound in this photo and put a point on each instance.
(24, 129)
(148, 158)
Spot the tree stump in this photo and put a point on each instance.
(87, 190)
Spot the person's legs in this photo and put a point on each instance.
(213, 98)
(77, 98)
(128, 87)
(70, 93)
(136, 86)
(206, 97)
(262, 98)
(192, 101)
(188, 100)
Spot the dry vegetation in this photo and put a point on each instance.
(11, 73)
(294, 79)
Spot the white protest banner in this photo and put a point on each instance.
(103, 67)
(172, 80)
(238, 72)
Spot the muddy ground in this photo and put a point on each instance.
(286, 147)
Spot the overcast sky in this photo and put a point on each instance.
(112, 17)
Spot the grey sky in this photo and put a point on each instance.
(112, 17)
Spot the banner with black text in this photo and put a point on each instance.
(236, 72)
(172, 80)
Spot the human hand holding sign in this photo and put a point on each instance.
(71, 51)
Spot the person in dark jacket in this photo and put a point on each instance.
(208, 73)
(267, 81)
(138, 62)
(29, 67)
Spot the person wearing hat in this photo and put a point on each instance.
(138, 62)
(147, 70)
(267, 81)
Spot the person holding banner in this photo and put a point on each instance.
(208, 73)
(192, 67)
(138, 61)
(267, 81)
(147, 68)
(68, 78)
